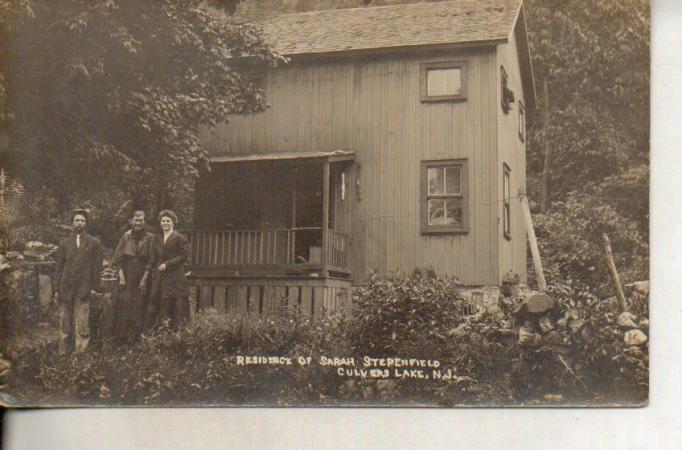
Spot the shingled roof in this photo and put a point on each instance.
(413, 24)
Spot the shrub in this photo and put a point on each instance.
(406, 315)
(580, 359)
(569, 238)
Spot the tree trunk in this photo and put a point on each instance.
(548, 150)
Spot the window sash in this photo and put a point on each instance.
(443, 81)
(444, 197)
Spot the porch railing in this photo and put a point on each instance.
(266, 248)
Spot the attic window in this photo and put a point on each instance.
(443, 81)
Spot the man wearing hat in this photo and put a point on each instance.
(77, 274)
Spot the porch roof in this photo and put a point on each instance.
(332, 156)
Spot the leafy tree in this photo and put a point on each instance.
(594, 57)
(104, 101)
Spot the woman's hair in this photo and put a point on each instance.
(170, 214)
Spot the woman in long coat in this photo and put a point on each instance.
(169, 285)
(134, 258)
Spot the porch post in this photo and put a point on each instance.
(325, 216)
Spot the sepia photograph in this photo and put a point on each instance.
(333, 203)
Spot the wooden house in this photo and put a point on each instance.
(395, 140)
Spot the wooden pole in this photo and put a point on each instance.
(293, 217)
(548, 150)
(325, 217)
(615, 280)
(534, 251)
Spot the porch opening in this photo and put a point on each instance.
(274, 216)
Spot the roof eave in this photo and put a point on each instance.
(396, 49)
(525, 60)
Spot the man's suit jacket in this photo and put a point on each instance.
(174, 254)
(78, 269)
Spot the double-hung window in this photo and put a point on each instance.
(444, 196)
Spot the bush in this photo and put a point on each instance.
(569, 238)
(189, 366)
(581, 358)
(411, 315)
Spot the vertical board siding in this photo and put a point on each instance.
(512, 151)
(373, 107)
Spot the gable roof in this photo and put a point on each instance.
(410, 25)
(406, 25)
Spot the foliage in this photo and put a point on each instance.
(190, 366)
(399, 312)
(490, 363)
(119, 90)
(594, 57)
(570, 243)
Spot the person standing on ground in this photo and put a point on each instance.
(134, 261)
(77, 274)
(169, 285)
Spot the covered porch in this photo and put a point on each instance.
(274, 215)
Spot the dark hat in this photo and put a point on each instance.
(81, 211)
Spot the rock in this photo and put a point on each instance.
(546, 324)
(634, 337)
(639, 287)
(44, 289)
(34, 256)
(576, 325)
(554, 338)
(458, 332)
(14, 256)
(527, 336)
(539, 304)
(626, 320)
(553, 397)
(644, 324)
(535, 306)
(587, 334)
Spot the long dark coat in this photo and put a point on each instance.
(135, 256)
(78, 269)
(174, 254)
